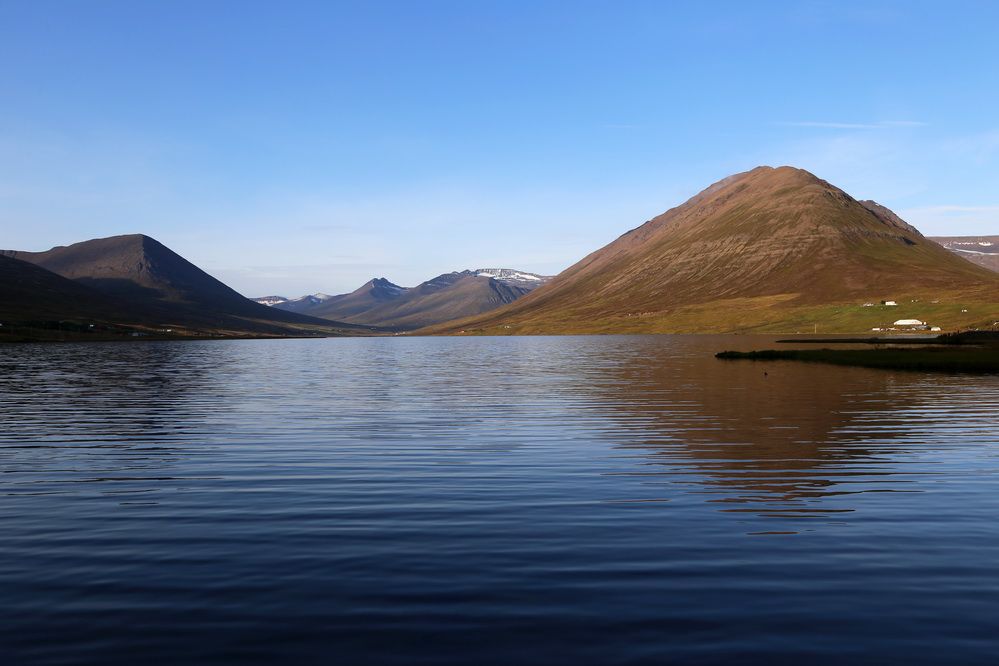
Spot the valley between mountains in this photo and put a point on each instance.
(767, 250)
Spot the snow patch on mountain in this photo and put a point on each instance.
(270, 301)
(315, 299)
(512, 276)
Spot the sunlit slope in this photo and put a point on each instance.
(769, 249)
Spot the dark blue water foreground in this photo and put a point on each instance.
(598, 500)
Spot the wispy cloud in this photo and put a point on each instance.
(881, 124)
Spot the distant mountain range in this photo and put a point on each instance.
(381, 303)
(982, 250)
(765, 250)
(136, 280)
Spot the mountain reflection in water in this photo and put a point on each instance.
(783, 439)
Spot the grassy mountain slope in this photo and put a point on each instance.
(765, 250)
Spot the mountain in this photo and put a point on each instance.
(765, 250)
(270, 300)
(302, 304)
(982, 250)
(512, 277)
(159, 286)
(447, 296)
(344, 307)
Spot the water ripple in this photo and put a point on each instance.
(533, 500)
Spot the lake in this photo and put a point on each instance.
(531, 500)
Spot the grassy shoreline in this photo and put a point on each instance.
(76, 331)
(979, 360)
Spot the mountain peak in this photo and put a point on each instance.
(381, 288)
(768, 177)
(383, 283)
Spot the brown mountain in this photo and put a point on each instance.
(159, 286)
(982, 250)
(766, 250)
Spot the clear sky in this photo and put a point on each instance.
(293, 147)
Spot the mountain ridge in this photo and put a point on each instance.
(382, 303)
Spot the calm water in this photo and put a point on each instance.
(589, 500)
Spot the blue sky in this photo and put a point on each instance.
(294, 147)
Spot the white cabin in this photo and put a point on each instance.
(909, 322)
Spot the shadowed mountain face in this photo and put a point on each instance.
(445, 297)
(769, 249)
(982, 250)
(159, 286)
(31, 293)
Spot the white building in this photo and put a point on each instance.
(909, 322)
(888, 303)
